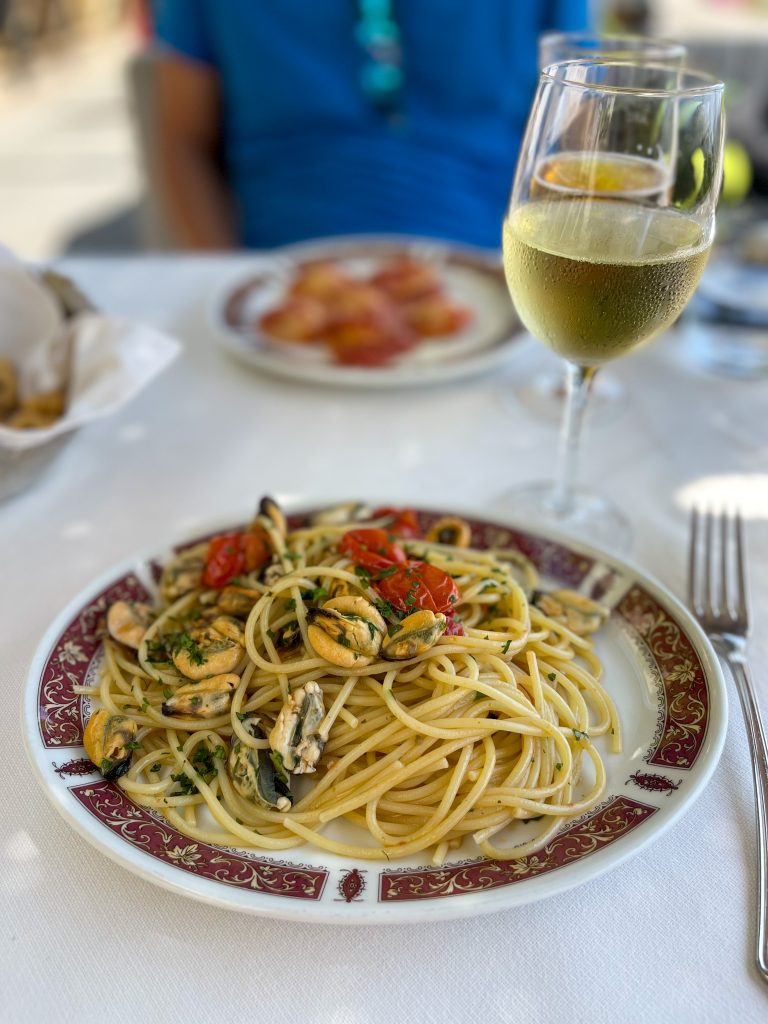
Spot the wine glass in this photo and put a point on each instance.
(597, 272)
(556, 47)
(544, 391)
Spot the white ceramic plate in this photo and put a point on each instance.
(472, 278)
(659, 667)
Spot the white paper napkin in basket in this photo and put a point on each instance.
(102, 361)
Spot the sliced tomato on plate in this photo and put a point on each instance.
(405, 522)
(417, 585)
(372, 549)
(232, 554)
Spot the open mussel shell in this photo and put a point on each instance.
(258, 775)
(109, 742)
(296, 734)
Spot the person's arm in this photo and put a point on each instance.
(197, 202)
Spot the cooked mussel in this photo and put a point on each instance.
(109, 741)
(346, 631)
(257, 774)
(237, 601)
(272, 573)
(128, 621)
(207, 652)
(288, 637)
(295, 736)
(183, 573)
(269, 508)
(451, 530)
(206, 699)
(577, 612)
(229, 627)
(416, 634)
(342, 588)
(337, 515)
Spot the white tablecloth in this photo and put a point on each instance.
(667, 936)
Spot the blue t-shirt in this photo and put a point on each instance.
(308, 155)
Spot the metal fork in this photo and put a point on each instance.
(717, 593)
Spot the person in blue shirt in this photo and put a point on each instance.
(282, 120)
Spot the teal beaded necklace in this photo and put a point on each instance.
(378, 33)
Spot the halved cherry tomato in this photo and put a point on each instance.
(405, 523)
(232, 554)
(371, 549)
(418, 585)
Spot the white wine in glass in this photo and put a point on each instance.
(596, 273)
(575, 173)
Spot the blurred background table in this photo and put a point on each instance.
(666, 936)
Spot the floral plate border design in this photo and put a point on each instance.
(607, 823)
(156, 837)
(59, 718)
(684, 715)
(684, 708)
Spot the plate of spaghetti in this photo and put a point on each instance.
(369, 714)
(376, 312)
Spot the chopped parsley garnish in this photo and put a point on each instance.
(372, 630)
(167, 692)
(387, 610)
(318, 593)
(270, 634)
(290, 604)
(343, 640)
(156, 767)
(505, 646)
(240, 716)
(186, 786)
(175, 642)
(144, 705)
(479, 696)
(552, 677)
(133, 745)
(220, 752)
(579, 734)
(202, 762)
(559, 766)
(362, 572)
(106, 766)
(387, 572)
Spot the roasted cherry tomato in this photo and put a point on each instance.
(233, 554)
(417, 585)
(404, 522)
(371, 549)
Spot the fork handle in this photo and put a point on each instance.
(759, 751)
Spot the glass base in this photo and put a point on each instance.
(589, 517)
(544, 394)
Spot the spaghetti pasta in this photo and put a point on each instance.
(332, 722)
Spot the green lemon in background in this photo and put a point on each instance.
(737, 172)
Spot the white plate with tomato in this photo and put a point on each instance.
(376, 312)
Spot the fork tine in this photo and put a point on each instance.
(694, 583)
(741, 574)
(723, 604)
(709, 564)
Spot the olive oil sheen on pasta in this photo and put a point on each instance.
(595, 278)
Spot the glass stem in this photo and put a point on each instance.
(579, 383)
